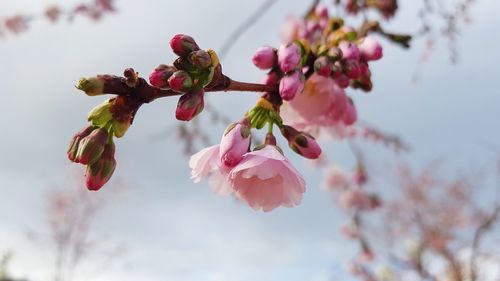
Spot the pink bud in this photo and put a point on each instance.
(323, 66)
(350, 114)
(189, 105)
(321, 11)
(159, 76)
(351, 69)
(370, 49)
(75, 142)
(302, 143)
(343, 81)
(92, 146)
(291, 85)
(180, 81)
(234, 143)
(334, 53)
(359, 176)
(265, 57)
(364, 68)
(200, 58)
(100, 172)
(289, 57)
(349, 50)
(182, 45)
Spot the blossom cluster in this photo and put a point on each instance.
(304, 89)
(94, 10)
(338, 59)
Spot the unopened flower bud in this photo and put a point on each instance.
(321, 11)
(200, 59)
(265, 57)
(364, 83)
(291, 85)
(364, 68)
(343, 81)
(92, 86)
(349, 50)
(289, 57)
(159, 76)
(359, 176)
(336, 70)
(335, 53)
(370, 49)
(91, 147)
(302, 143)
(351, 68)
(183, 45)
(99, 172)
(75, 142)
(323, 66)
(180, 81)
(189, 105)
(234, 143)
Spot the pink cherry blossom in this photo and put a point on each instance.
(206, 163)
(350, 114)
(336, 178)
(293, 29)
(265, 179)
(318, 109)
(316, 98)
(355, 198)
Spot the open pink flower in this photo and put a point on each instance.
(320, 107)
(336, 178)
(207, 163)
(355, 198)
(266, 180)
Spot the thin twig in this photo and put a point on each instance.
(244, 26)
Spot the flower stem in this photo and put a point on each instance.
(270, 128)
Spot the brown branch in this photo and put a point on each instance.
(478, 235)
(143, 92)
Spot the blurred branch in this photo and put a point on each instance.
(244, 26)
(479, 234)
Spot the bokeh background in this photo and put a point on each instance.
(173, 229)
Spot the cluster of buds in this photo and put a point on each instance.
(285, 67)
(319, 59)
(193, 70)
(94, 147)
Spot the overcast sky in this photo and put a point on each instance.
(172, 228)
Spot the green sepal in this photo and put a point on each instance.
(101, 115)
